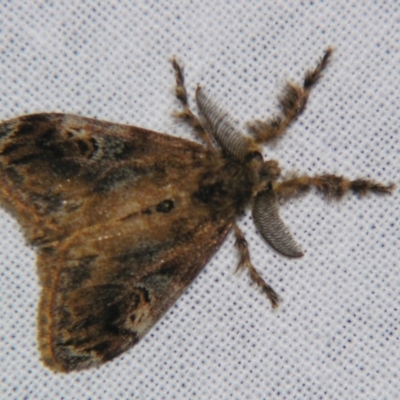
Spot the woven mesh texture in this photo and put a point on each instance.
(336, 335)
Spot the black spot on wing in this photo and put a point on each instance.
(165, 206)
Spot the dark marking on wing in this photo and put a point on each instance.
(165, 206)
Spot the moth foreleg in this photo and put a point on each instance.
(333, 187)
(292, 103)
(186, 114)
(245, 263)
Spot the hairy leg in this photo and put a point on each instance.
(186, 114)
(331, 186)
(292, 103)
(245, 263)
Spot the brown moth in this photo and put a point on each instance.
(124, 218)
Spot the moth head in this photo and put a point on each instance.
(262, 172)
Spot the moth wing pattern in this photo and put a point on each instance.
(119, 233)
(97, 303)
(60, 172)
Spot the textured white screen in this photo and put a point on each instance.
(336, 334)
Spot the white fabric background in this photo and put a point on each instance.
(336, 334)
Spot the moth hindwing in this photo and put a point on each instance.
(124, 218)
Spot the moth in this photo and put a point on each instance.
(123, 218)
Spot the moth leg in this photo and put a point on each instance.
(186, 114)
(245, 263)
(333, 187)
(292, 103)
